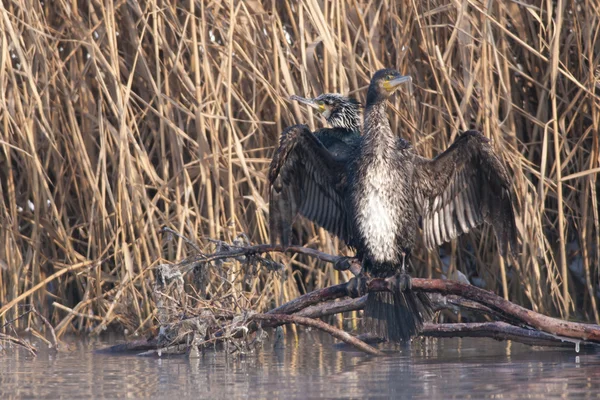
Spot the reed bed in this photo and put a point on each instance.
(119, 118)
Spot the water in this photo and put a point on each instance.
(309, 366)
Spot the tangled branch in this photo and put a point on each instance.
(513, 322)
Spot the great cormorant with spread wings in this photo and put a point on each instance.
(372, 200)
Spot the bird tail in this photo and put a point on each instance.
(396, 316)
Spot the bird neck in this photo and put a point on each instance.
(349, 120)
(377, 131)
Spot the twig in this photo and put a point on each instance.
(15, 319)
(32, 350)
(314, 323)
(48, 326)
(258, 249)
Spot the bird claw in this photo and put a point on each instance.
(357, 286)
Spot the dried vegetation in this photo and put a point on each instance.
(119, 118)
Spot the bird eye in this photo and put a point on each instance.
(389, 77)
(320, 102)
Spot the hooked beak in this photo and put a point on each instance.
(308, 102)
(394, 83)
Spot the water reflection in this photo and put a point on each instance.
(310, 365)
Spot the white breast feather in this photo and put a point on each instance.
(377, 215)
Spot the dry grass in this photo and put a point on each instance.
(119, 118)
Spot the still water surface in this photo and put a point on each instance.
(311, 366)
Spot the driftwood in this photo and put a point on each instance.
(513, 322)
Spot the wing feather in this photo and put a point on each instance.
(305, 179)
(460, 189)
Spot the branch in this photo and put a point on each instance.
(319, 303)
(309, 299)
(499, 331)
(496, 330)
(486, 299)
(249, 251)
(315, 323)
(552, 326)
(333, 307)
(506, 309)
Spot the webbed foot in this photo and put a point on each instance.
(342, 264)
(348, 263)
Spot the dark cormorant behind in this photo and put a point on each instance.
(343, 115)
(372, 201)
(289, 191)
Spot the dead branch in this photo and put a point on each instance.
(309, 299)
(315, 323)
(497, 330)
(515, 322)
(553, 326)
(249, 251)
(333, 307)
(508, 310)
(133, 346)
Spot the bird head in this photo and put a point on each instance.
(339, 111)
(384, 83)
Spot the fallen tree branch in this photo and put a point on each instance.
(333, 307)
(309, 299)
(553, 326)
(315, 323)
(518, 324)
(508, 310)
(480, 299)
(500, 331)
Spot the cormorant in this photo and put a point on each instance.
(287, 192)
(372, 201)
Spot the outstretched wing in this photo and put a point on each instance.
(460, 189)
(305, 178)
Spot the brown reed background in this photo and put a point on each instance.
(118, 118)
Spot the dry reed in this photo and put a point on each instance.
(118, 118)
